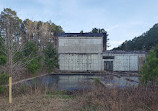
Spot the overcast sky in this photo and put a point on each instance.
(122, 19)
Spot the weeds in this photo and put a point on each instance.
(59, 94)
(96, 81)
(98, 99)
(117, 99)
(2, 89)
(3, 80)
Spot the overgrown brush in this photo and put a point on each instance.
(117, 99)
(98, 99)
(3, 80)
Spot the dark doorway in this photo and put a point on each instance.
(108, 66)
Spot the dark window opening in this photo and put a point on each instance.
(108, 57)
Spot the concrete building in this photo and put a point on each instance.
(83, 52)
(80, 51)
(123, 61)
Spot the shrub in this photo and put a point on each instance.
(150, 68)
(3, 60)
(51, 58)
(51, 63)
(18, 56)
(2, 89)
(30, 49)
(4, 79)
(33, 66)
(96, 81)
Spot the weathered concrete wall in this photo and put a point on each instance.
(80, 62)
(85, 54)
(126, 61)
(80, 45)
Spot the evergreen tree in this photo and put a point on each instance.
(51, 58)
(150, 68)
(144, 42)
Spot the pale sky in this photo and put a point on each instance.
(122, 19)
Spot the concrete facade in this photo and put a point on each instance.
(80, 45)
(80, 53)
(80, 62)
(125, 61)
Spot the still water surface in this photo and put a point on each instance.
(78, 81)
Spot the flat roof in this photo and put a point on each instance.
(80, 34)
(125, 52)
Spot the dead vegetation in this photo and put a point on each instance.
(98, 99)
(118, 99)
(35, 99)
(36, 102)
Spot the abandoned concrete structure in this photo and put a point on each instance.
(80, 51)
(123, 61)
(83, 52)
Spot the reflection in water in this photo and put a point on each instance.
(120, 82)
(77, 82)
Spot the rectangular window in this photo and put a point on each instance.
(108, 57)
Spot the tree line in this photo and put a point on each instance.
(145, 42)
(26, 47)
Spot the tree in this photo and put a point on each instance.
(105, 37)
(98, 30)
(3, 58)
(10, 26)
(20, 42)
(95, 30)
(30, 49)
(51, 58)
(150, 68)
(31, 57)
(15, 49)
(144, 42)
(81, 31)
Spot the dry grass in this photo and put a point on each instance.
(129, 99)
(98, 99)
(34, 103)
(37, 98)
